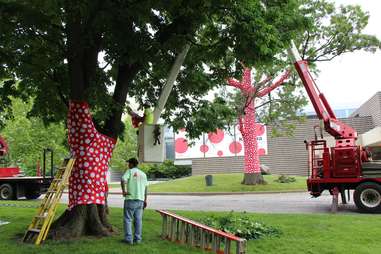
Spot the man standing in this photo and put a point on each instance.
(135, 201)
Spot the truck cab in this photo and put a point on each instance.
(14, 184)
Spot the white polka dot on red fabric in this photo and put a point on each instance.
(84, 141)
(247, 125)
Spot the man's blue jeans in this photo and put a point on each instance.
(133, 213)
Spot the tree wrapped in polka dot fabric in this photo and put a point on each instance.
(247, 125)
(93, 151)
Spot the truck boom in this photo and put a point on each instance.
(332, 125)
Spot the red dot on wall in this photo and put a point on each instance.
(261, 151)
(181, 145)
(220, 153)
(204, 148)
(235, 147)
(216, 137)
(260, 129)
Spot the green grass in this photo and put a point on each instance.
(226, 183)
(304, 234)
(20, 218)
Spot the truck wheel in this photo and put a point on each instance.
(367, 197)
(6, 192)
(32, 194)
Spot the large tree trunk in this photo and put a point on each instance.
(82, 220)
(253, 179)
(247, 128)
(247, 125)
(88, 188)
(252, 171)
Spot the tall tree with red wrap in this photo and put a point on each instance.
(247, 121)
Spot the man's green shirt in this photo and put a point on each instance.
(136, 184)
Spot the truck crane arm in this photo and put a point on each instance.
(332, 125)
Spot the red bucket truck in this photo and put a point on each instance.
(14, 184)
(345, 166)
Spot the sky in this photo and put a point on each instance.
(350, 80)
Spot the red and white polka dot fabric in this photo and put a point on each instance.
(93, 151)
(247, 126)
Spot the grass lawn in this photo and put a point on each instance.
(226, 183)
(320, 234)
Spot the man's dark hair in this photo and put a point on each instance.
(133, 161)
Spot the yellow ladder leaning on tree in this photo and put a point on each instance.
(39, 228)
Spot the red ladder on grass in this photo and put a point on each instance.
(182, 230)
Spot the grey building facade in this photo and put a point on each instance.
(371, 107)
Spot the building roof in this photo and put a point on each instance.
(371, 107)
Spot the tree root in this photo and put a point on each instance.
(82, 220)
(253, 179)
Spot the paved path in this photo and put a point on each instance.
(261, 203)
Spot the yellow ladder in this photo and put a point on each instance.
(39, 228)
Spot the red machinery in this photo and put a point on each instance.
(344, 166)
(13, 184)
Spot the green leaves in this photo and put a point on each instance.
(283, 109)
(126, 147)
(243, 226)
(167, 169)
(8, 89)
(285, 179)
(27, 137)
(207, 117)
(334, 31)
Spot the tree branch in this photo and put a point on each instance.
(323, 46)
(75, 53)
(318, 58)
(45, 37)
(235, 83)
(91, 60)
(246, 80)
(267, 90)
(264, 104)
(202, 45)
(241, 126)
(53, 77)
(306, 45)
(126, 73)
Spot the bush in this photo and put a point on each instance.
(242, 226)
(285, 179)
(165, 170)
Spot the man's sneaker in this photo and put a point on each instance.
(127, 242)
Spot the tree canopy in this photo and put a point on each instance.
(335, 31)
(53, 48)
(104, 51)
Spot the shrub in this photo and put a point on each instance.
(242, 226)
(165, 170)
(285, 179)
